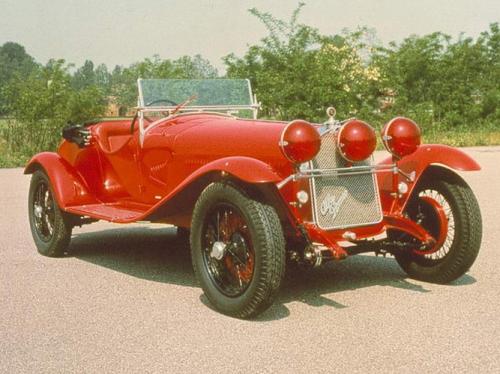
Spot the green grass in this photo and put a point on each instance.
(464, 138)
(9, 159)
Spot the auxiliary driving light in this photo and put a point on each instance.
(401, 136)
(300, 141)
(356, 140)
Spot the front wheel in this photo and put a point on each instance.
(237, 249)
(446, 207)
(50, 227)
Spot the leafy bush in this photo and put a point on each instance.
(443, 85)
(42, 103)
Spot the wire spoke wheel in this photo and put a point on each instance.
(43, 212)
(445, 206)
(433, 212)
(50, 227)
(228, 251)
(430, 220)
(237, 249)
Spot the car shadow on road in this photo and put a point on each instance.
(157, 254)
(154, 254)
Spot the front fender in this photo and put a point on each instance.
(428, 154)
(416, 164)
(247, 169)
(179, 203)
(68, 186)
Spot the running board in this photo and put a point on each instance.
(120, 212)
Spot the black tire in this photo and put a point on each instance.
(455, 257)
(50, 227)
(255, 232)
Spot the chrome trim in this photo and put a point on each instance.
(141, 94)
(410, 176)
(353, 170)
(282, 143)
(160, 108)
(331, 112)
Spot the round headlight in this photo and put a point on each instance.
(300, 141)
(401, 136)
(356, 140)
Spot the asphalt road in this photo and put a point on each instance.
(126, 300)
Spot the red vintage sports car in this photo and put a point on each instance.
(258, 196)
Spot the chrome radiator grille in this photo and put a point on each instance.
(343, 201)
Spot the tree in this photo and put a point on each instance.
(84, 76)
(441, 83)
(45, 101)
(88, 76)
(123, 80)
(297, 72)
(13, 60)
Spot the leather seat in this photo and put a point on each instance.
(112, 136)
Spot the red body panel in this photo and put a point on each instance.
(415, 164)
(67, 183)
(133, 180)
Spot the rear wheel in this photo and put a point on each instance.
(50, 226)
(238, 250)
(446, 207)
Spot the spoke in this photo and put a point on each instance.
(226, 227)
(239, 275)
(39, 194)
(448, 211)
(218, 226)
(233, 272)
(235, 255)
(49, 225)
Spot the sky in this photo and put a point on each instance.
(120, 32)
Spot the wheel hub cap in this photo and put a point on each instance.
(38, 211)
(218, 250)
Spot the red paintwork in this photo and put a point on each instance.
(443, 226)
(401, 136)
(356, 140)
(67, 183)
(132, 181)
(401, 223)
(416, 164)
(117, 179)
(300, 141)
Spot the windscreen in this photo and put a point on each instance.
(207, 92)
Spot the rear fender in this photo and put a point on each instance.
(416, 165)
(68, 186)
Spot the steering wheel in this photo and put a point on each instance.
(149, 104)
(133, 123)
(156, 101)
(134, 120)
